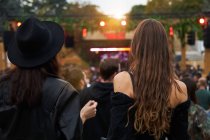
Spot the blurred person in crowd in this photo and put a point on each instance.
(198, 119)
(148, 102)
(202, 94)
(123, 66)
(97, 127)
(35, 103)
(208, 81)
(77, 78)
(196, 76)
(94, 74)
(199, 69)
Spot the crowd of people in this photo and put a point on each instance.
(148, 98)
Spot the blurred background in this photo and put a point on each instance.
(100, 29)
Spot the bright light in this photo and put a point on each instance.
(123, 23)
(19, 23)
(201, 20)
(108, 49)
(117, 13)
(102, 23)
(118, 16)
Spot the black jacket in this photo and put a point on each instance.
(57, 118)
(97, 127)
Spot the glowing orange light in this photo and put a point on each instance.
(123, 23)
(84, 32)
(102, 23)
(19, 23)
(108, 49)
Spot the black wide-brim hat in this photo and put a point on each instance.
(35, 43)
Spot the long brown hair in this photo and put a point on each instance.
(27, 83)
(151, 65)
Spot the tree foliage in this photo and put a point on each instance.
(137, 9)
(190, 6)
(43, 7)
(158, 6)
(8, 11)
(72, 15)
(81, 16)
(9, 8)
(172, 6)
(177, 6)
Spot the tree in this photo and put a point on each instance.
(176, 6)
(44, 7)
(185, 25)
(182, 27)
(158, 6)
(137, 9)
(189, 6)
(82, 15)
(8, 11)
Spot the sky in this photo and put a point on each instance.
(115, 8)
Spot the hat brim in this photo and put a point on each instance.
(16, 57)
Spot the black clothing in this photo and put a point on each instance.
(119, 130)
(56, 118)
(97, 127)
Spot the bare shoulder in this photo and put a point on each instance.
(179, 93)
(123, 84)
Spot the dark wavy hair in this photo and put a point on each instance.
(27, 83)
(108, 67)
(151, 65)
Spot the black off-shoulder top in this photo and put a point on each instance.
(120, 130)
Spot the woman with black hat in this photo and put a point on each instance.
(35, 104)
